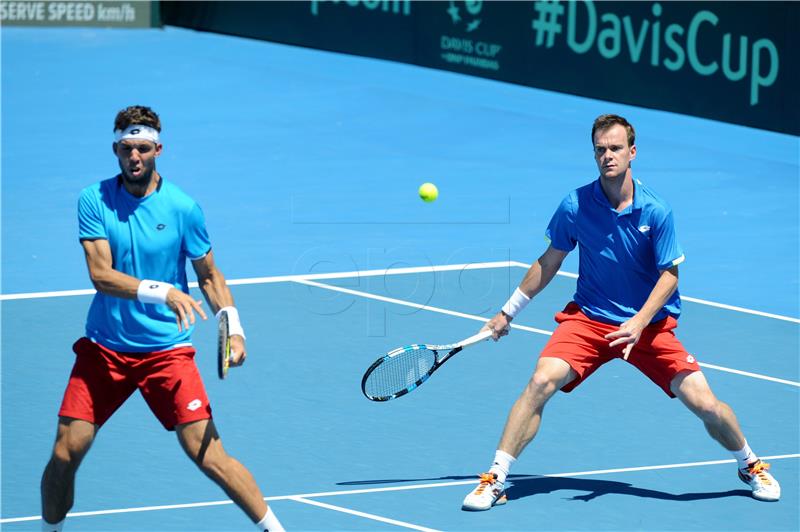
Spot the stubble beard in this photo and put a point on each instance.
(137, 182)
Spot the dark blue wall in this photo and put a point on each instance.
(731, 61)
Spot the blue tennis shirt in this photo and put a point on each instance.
(621, 254)
(150, 238)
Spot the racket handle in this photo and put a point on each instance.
(483, 335)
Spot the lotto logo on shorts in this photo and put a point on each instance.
(690, 359)
(194, 405)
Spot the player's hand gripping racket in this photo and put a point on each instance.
(223, 345)
(405, 368)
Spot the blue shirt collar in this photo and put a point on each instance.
(600, 196)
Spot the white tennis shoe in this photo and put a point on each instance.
(489, 492)
(764, 485)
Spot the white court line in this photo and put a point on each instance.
(285, 278)
(740, 309)
(748, 374)
(528, 477)
(398, 488)
(44, 295)
(413, 305)
(393, 271)
(127, 510)
(516, 326)
(362, 514)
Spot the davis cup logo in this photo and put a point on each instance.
(464, 47)
(469, 15)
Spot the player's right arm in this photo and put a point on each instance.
(112, 282)
(536, 279)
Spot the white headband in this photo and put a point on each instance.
(136, 131)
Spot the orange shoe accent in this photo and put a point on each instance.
(486, 480)
(757, 469)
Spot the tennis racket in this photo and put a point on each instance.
(223, 345)
(406, 368)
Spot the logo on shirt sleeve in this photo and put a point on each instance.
(194, 404)
(644, 228)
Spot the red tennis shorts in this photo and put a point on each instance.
(103, 379)
(580, 342)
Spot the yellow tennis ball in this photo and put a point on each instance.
(428, 192)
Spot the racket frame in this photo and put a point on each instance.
(223, 345)
(451, 350)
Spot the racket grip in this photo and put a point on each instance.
(483, 335)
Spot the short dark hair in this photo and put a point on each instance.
(137, 114)
(604, 122)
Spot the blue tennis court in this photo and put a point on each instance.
(306, 164)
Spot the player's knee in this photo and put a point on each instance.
(68, 451)
(63, 460)
(542, 384)
(211, 459)
(60, 459)
(213, 465)
(209, 467)
(709, 409)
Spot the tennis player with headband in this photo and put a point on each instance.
(137, 231)
(626, 306)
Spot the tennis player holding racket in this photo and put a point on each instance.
(137, 231)
(626, 306)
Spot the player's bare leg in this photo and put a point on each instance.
(721, 423)
(526, 414)
(202, 444)
(521, 427)
(74, 437)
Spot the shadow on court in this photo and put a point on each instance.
(521, 486)
(527, 487)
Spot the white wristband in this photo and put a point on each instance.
(516, 303)
(234, 325)
(152, 291)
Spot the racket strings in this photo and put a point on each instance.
(399, 372)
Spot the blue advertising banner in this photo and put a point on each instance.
(729, 61)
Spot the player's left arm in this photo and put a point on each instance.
(630, 331)
(215, 290)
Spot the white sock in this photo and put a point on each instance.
(269, 523)
(745, 456)
(52, 527)
(501, 465)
